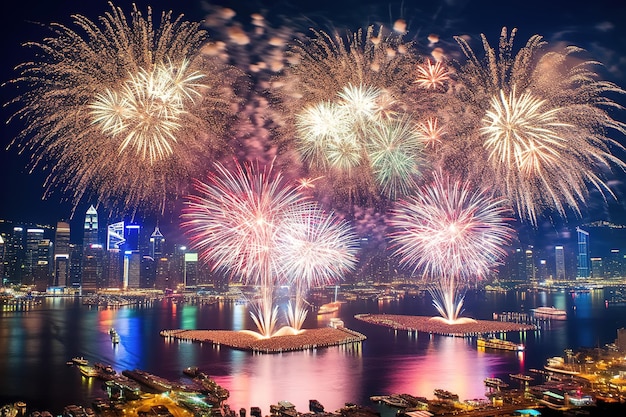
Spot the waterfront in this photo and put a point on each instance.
(36, 342)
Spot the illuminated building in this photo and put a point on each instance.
(542, 273)
(157, 241)
(614, 267)
(582, 265)
(61, 273)
(115, 242)
(559, 254)
(90, 233)
(92, 268)
(597, 268)
(132, 257)
(33, 236)
(529, 265)
(2, 264)
(42, 273)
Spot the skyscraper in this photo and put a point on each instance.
(157, 241)
(62, 255)
(582, 265)
(559, 254)
(529, 265)
(90, 235)
(132, 257)
(33, 236)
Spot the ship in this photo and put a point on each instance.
(328, 308)
(495, 383)
(522, 377)
(79, 360)
(549, 311)
(557, 364)
(88, 371)
(115, 337)
(494, 343)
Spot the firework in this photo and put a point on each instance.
(431, 76)
(540, 119)
(316, 250)
(452, 234)
(355, 136)
(251, 221)
(127, 112)
(350, 124)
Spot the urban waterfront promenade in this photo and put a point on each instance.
(250, 341)
(435, 326)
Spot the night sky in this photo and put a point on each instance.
(597, 26)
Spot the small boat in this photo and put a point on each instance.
(79, 360)
(328, 308)
(522, 377)
(495, 383)
(495, 343)
(88, 371)
(549, 311)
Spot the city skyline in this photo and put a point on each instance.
(601, 38)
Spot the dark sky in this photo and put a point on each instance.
(598, 26)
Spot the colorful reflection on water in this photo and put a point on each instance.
(35, 344)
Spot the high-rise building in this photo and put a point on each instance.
(559, 254)
(33, 236)
(2, 260)
(614, 268)
(132, 257)
(582, 264)
(157, 241)
(93, 268)
(42, 273)
(597, 268)
(542, 270)
(90, 232)
(529, 265)
(61, 272)
(115, 236)
(76, 265)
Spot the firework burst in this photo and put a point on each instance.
(540, 118)
(343, 97)
(452, 234)
(123, 111)
(250, 222)
(316, 250)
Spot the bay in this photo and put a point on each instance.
(37, 341)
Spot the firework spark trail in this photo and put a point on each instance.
(249, 221)
(540, 118)
(122, 110)
(451, 233)
(316, 250)
(342, 92)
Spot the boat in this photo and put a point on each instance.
(115, 337)
(549, 311)
(79, 360)
(495, 343)
(191, 371)
(328, 308)
(557, 364)
(522, 377)
(88, 371)
(495, 383)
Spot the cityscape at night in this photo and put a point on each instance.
(331, 209)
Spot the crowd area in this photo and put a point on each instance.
(438, 326)
(305, 339)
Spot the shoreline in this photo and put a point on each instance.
(426, 324)
(245, 340)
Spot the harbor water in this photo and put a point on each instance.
(36, 341)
